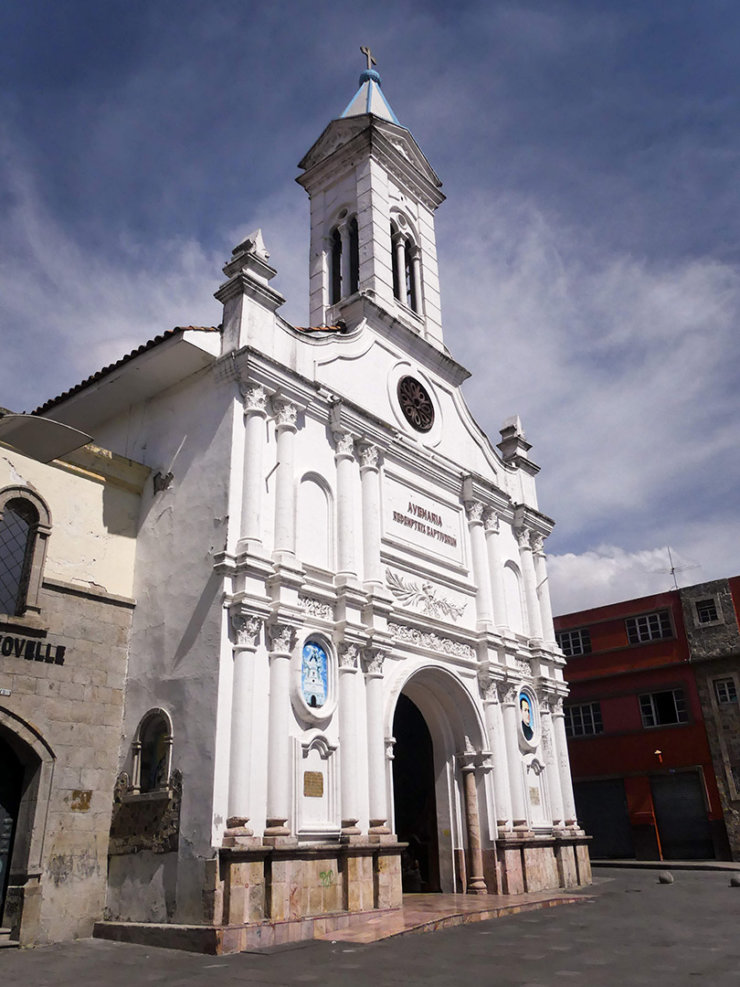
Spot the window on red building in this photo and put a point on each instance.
(583, 720)
(660, 709)
(577, 642)
(649, 627)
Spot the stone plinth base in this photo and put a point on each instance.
(259, 895)
(543, 863)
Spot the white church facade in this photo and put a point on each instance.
(342, 679)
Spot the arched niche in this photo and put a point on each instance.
(515, 610)
(315, 522)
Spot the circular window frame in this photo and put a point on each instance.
(317, 715)
(406, 369)
(419, 417)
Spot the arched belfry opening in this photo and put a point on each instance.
(436, 727)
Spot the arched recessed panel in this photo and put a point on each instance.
(515, 613)
(315, 523)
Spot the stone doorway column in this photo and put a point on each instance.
(476, 881)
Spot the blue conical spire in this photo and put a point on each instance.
(369, 97)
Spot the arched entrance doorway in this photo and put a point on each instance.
(435, 724)
(11, 790)
(414, 798)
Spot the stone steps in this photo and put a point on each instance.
(6, 942)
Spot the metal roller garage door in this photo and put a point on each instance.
(681, 815)
(602, 811)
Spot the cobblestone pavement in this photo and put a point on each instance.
(634, 931)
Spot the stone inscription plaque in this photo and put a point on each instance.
(313, 784)
(422, 521)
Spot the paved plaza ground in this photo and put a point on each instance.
(631, 931)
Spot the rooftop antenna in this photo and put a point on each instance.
(676, 568)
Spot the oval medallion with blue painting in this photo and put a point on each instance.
(314, 675)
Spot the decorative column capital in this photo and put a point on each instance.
(345, 445)
(491, 521)
(489, 689)
(509, 692)
(255, 400)
(286, 414)
(369, 457)
(372, 661)
(247, 628)
(282, 639)
(390, 743)
(537, 541)
(522, 534)
(474, 511)
(349, 657)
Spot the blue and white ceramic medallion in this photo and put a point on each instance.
(314, 675)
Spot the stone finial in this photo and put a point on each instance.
(513, 444)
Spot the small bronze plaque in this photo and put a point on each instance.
(313, 784)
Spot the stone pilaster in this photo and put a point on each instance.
(543, 587)
(474, 512)
(552, 768)
(492, 525)
(255, 413)
(561, 754)
(516, 780)
(286, 415)
(349, 660)
(373, 659)
(344, 456)
(282, 643)
(497, 740)
(371, 515)
(530, 582)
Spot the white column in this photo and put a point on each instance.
(279, 775)
(497, 741)
(344, 457)
(255, 413)
(543, 587)
(371, 519)
(552, 769)
(399, 248)
(516, 780)
(492, 526)
(346, 277)
(474, 511)
(530, 583)
(285, 421)
(561, 753)
(416, 267)
(247, 631)
(348, 740)
(373, 663)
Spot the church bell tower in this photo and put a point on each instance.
(373, 197)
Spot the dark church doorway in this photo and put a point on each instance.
(11, 786)
(415, 798)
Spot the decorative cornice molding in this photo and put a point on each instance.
(430, 641)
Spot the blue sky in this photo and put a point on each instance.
(589, 248)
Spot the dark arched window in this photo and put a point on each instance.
(18, 529)
(153, 752)
(336, 267)
(411, 289)
(394, 262)
(354, 255)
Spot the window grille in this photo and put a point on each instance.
(706, 611)
(649, 627)
(577, 642)
(725, 691)
(17, 536)
(583, 720)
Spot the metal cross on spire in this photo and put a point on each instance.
(368, 55)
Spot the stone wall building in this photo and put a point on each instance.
(342, 640)
(711, 618)
(67, 549)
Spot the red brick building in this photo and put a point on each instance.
(642, 763)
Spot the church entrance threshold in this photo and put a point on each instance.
(415, 799)
(11, 782)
